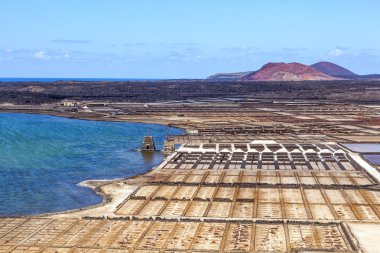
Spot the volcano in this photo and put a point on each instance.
(287, 72)
(332, 69)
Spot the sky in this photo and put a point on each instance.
(183, 39)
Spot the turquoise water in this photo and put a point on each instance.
(43, 158)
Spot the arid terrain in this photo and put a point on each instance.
(35, 93)
(263, 167)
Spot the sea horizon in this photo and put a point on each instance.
(83, 79)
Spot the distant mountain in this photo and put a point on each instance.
(332, 69)
(230, 76)
(287, 72)
(372, 76)
(294, 72)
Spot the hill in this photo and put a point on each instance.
(287, 72)
(332, 69)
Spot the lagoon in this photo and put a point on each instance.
(43, 158)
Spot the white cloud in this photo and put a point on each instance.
(40, 55)
(337, 52)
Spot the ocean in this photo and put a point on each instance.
(43, 158)
(56, 79)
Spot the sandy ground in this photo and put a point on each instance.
(367, 235)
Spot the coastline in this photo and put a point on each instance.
(89, 117)
(112, 191)
(97, 117)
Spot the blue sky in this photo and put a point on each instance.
(183, 39)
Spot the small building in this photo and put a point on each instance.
(169, 146)
(68, 103)
(148, 144)
(192, 131)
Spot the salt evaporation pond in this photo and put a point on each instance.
(364, 147)
(374, 159)
(43, 158)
